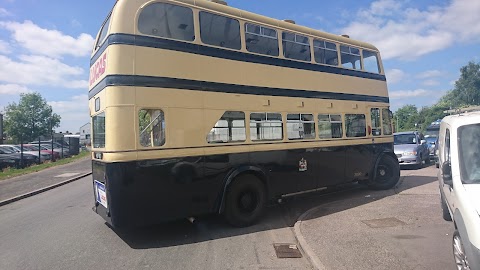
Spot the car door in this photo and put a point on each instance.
(445, 159)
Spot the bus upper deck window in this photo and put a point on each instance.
(370, 61)
(296, 47)
(325, 52)
(261, 39)
(350, 57)
(219, 31)
(103, 33)
(166, 20)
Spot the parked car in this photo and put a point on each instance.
(28, 150)
(63, 152)
(411, 148)
(54, 154)
(459, 182)
(432, 147)
(12, 159)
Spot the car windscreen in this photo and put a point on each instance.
(6, 150)
(469, 153)
(405, 139)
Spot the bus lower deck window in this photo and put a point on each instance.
(355, 125)
(151, 127)
(330, 126)
(229, 128)
(266, 126)
(300, 126)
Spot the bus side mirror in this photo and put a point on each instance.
(447, 173)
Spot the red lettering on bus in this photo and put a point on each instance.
(98, 69)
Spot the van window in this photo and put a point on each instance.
(469, 153)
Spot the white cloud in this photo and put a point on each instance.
(13, 89)
(47, 42)
(429, 74)
(409, 93)
(430, 83)
(74, 112)
(40, 70)
(4, 47)
(409, 33)
(394, 75)
(4, 13)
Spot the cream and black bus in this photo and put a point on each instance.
(199, 108)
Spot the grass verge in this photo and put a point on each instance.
(12, 172)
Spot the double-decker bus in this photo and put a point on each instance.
(199, 108)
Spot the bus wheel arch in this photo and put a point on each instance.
(244, 199)
(386, 172)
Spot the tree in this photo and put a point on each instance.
(406, 117)
(467, 88)
(30, 118)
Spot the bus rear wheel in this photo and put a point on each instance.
(387, 174)
(245, 201)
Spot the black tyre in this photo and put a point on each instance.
(387, 173)
(445, 212)
(245, 201)
(459, 252)
(420, 165)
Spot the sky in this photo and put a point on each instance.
(45, 45)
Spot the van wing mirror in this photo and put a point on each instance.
(447, 173)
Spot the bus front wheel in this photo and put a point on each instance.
(245, 201)
(387, 173)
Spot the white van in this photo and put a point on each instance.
(459, 179)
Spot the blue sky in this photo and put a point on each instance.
(45, 44)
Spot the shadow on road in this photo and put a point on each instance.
(284, 215)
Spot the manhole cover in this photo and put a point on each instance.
(383, 222)
(287, 251)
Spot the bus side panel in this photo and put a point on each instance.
(153, 191)
(360, 160)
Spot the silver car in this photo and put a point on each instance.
(411, 148)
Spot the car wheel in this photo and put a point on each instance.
(459, 252)
(245, 201)
(445, 212)
(419, 165)
(387, 173)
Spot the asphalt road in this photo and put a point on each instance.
(58, 230)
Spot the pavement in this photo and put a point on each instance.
(43, 180)
(394, 229)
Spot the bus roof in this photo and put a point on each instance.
(227, 10)
(277, 23)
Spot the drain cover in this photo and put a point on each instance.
(383, 222)
(287, 251)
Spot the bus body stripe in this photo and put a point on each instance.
(183, 84)
(166, 44)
